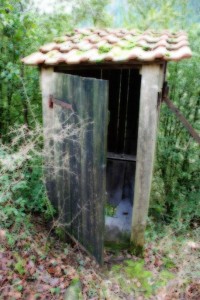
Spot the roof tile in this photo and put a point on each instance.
(94, 45)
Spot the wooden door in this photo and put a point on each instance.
(76, 158)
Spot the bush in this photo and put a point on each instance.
(175, 192)
(22, 189)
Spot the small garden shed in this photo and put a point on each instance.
(101, 91)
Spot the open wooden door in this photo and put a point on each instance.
(76, 138)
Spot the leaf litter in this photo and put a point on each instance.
(39, 266)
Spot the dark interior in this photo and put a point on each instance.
(124, 95)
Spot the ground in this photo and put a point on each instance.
(38, 265)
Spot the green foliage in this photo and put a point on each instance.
(133, 276)
(55, 291)
(175, 189)
(60, 232)
(110, 210)
(74, 290)
(165, 276)
(141, 278)
(21, 34)
(21, 181)
(17, 30)
(157, 14)
(92, 12)
(137, 270)
(168, 263)
(175, 192)
(21, 176)
(20, 265)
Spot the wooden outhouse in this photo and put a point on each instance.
(101, 91)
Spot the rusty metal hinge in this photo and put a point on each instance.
(62, 103)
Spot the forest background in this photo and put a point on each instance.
(27, 24)
(24, 27)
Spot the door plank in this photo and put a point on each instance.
(80, 158)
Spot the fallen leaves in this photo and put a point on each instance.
(28, 271)
(37, 268)
(193, 291)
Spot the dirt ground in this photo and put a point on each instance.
(38, 265)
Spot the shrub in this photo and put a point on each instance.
(22, 189)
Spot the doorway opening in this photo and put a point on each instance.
(123, 116)
(124, 95)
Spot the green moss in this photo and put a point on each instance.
(167, 54)
(60, 39)
(117, 246)
(146, 48)
(128, 45)
(80, 52)
(104, 49)
(137, 250)
(70, 33)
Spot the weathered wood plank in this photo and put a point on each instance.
(148, 114)
(124, 157)
(100, 104)
(94, 110)
(58, 167)
(46, 82)
(75, 160)
(87, 165)
(85, 141)
(62, 120)
(109, 65)
(79, 156)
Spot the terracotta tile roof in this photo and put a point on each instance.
(112, 45)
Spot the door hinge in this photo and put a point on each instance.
(62, 103)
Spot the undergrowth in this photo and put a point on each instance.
(170, 268)
(22, 190)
